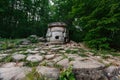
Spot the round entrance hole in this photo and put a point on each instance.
(56, 37)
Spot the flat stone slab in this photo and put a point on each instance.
(34, 58)
(13, 73)
(49, 56)
(87, 65)
(88, 70)
(18, 56)
(64, 63)
(50, 73)
(32, 51)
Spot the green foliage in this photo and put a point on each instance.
(105, 53)
(33, 38)
(31, 64)
(8, 44)
(34, 75)
(21, 18)
(67, 74)
(71, 51)
(99, 21)
(6, 59)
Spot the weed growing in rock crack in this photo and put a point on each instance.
(71, 59)
(67, 74)
(57, 66)
(6, 59)
(94, 52)
(34, 75)
(82, 50)
(104, 53)
(71, 51)
(33, 38)
(31, 64)
(8, 44)
(68, 51)
(83, 55)
(44, 63)
(64, 56)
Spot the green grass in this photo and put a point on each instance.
(83, 55)
(31, 64)
(6, 59)
(67, 74)
(71, 51)
(105, 53)
(34, 75)
(8, 43)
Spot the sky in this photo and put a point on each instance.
(51, 2)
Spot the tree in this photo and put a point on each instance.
(99, 21)
(20, 18)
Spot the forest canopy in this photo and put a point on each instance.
(95, 22)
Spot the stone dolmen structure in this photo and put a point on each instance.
(57, 33)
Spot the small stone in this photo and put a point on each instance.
(3, 56)
(20, 52)
(42, 39)
(18, 56)
(37, 49)
(49, 52)
(43, 52)
(34, 58)
(62, 51)
(50, 73)
(57, 48)
(75, 49)
(72, 55)
(59, 58)
(46, 44)
(51, 46)
(25, 42)
(32, 52)
(49, 56)
(33, 36)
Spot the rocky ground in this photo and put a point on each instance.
(50, 60)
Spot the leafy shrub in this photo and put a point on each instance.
(33, 38)
(67, 74)
(99, 20)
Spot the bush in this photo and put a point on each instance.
(33, 38)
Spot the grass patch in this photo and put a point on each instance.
(6, 59)
(34, 75)
(104, 53)
(31, 64)
(8, 43)
(67, 74)
(82, 50)
(83, 55)
(71, 51)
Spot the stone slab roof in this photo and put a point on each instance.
(57, 24)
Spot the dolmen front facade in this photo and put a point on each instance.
(57, 33)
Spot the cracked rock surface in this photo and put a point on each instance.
(48, 60)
